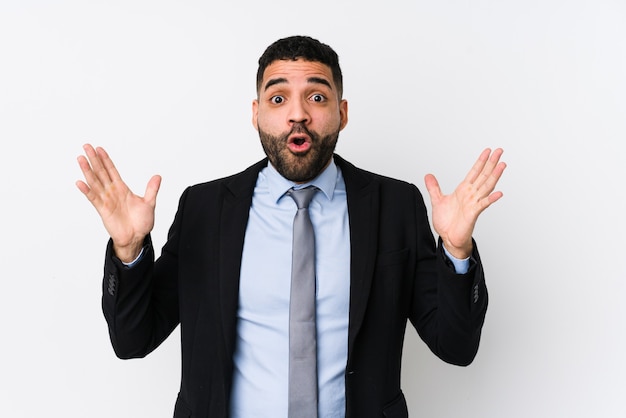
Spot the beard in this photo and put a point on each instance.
(301, 167)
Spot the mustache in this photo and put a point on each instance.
(299, 128)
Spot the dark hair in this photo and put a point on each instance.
(304, 47)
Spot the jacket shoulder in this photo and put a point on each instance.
(242, 182)
(358, 178)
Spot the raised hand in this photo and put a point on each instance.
(128, 218)
(455, 215)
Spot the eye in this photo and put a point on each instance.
(277, 99)
(318, 98)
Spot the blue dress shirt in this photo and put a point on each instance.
(260, 378)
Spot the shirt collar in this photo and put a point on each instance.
(278, 185)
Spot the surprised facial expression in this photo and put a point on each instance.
(299, 114)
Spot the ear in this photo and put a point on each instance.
(343, 113)
(255, 114)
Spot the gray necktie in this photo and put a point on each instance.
(302, 331)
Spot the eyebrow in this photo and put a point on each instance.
(315, 80)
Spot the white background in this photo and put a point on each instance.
(166, 87)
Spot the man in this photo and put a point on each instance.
(225, 272)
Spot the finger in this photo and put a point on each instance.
(494, 197)
(492, 180)
(485, 175)
(432, 185)
(152, 189)
(107, 163)
(96, 165)
(89, 193)
(478, 166)
(92, 180)
(487, 201)
(83, 187)
(492, 163)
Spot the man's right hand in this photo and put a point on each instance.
(128, 218)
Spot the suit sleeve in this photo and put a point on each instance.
(448, 309)
(140, 303)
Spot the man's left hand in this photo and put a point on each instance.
(455, 215)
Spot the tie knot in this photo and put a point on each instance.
(303, 197)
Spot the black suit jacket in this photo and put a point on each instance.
(396, 273)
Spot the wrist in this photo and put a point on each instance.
(128, 253)
(459, 252)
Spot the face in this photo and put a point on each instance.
(299, 114)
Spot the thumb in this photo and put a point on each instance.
(432, 185)
(152, 189)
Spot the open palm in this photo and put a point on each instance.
(127, 217)
(455, 215)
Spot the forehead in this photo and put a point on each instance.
(296, 71)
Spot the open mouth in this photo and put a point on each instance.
(299, 143)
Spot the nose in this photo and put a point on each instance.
(298, 112)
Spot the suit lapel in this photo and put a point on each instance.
(237, 198)
(363, 209)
